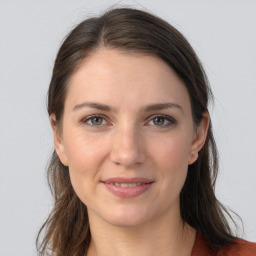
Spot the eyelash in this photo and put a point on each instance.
(170, 120)
(89, 118)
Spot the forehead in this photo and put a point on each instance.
(112, 77)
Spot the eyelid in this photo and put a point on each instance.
(86, 119)
(171, 120)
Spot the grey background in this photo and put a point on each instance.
(223, 34)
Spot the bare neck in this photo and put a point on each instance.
(150, 239)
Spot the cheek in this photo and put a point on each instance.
(171, 158)
(173, 151)
(83, 151)
(85, 157)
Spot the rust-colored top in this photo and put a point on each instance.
(241, 248)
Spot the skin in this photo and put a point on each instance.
(128, 141)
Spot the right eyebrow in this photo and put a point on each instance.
(93, 105)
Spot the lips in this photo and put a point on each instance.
(128, 187)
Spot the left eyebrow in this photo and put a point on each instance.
(161, 106)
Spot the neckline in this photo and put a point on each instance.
(200, 246)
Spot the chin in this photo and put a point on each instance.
(127, 217)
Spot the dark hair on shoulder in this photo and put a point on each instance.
(66, 231)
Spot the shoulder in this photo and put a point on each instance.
(239, 248)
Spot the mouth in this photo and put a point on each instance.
(128, 187)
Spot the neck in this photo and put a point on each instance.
(148, 239)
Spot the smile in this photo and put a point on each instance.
(128, 187)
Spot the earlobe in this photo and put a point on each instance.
(193, 157)
(200, 137)
(58, 141)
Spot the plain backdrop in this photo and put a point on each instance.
(223, 33)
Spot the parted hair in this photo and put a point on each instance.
(66, 231)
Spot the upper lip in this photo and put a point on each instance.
(127, 180)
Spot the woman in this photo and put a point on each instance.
(135, 161)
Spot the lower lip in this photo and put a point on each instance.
(128, 192)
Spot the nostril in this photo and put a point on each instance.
(127, 158)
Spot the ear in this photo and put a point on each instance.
(58, 141)
(199, 138)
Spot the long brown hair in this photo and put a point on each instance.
(66, 231)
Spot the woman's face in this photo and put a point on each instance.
(128, 137)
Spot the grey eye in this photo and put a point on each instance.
(97, 120)
(162, 121)
(158, 120)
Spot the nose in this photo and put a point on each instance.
(127, 147)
